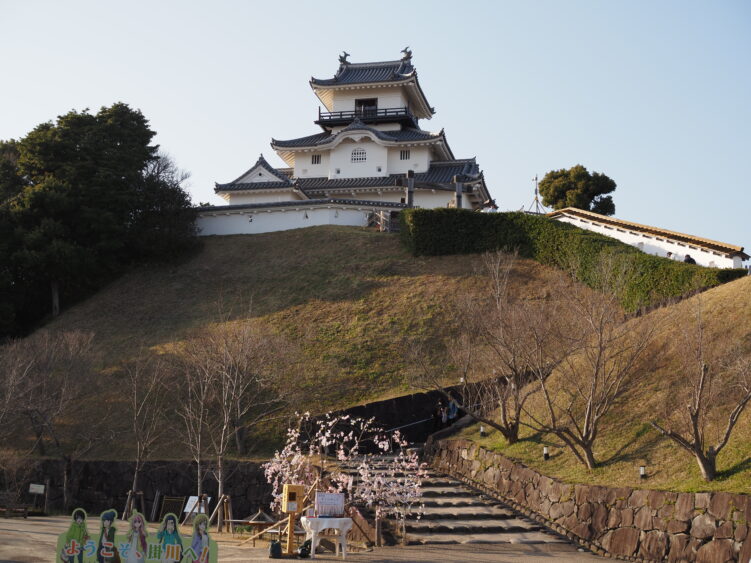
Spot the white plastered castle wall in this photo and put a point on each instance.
(375, 164)
(304, 167)
(419, 160)
(257, 175)
(390, 97)
(267, 221)
(660, 246)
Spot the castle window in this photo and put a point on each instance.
(359, 155)
(404, 154)
(315, 159)
(366, 107)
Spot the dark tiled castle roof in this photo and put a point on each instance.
(305, 203)
(408, 134)
(440, 176)
(366, 73)
(283, 175)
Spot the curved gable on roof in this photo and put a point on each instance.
(330, 140)
(259, 176)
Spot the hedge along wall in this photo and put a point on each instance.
(634, 524)
(650, 279)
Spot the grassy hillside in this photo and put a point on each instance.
(627, 440)
(349, 298)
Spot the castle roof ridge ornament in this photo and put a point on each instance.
(343, 58)
(407, 54)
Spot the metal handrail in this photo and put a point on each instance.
(364, 112)
(420, 421)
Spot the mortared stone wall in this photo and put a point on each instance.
(632, 524)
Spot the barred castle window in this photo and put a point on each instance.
(359, 155)
(404, 154)
(315, 159)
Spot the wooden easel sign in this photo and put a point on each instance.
(110, 541)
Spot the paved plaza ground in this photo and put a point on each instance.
(34, 539)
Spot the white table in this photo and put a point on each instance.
(314, 526)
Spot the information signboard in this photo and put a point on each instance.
(329, 505)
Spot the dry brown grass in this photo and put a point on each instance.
(627, 440)
(348, 298)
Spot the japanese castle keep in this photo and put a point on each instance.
(370, 160)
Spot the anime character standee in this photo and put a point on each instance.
(106, 550)
(137, 539)
(170, 540)
(75, 538)
(201, 542)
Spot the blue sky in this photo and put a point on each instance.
(654, 94)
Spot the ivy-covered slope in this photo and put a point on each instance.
(650, 279)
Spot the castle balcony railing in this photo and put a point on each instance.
(366, 115)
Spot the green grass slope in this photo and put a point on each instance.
(627, 440)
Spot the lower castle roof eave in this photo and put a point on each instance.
(326, 202)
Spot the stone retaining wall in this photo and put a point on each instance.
(634, 524)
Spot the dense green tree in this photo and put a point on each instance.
(577, 187)
(11, 182)
(164, 221)
(87, 196)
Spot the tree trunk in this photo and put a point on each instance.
(55, 298)
(589, 457)
(707, 465)
(40, 443)
(134, 487)
(199, 478)
(512, 435)
(136, 474)
(66, 482)
(220, 491)
(240, 440)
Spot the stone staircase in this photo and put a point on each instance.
(454, 513)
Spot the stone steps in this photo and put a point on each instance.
(453, 513)
(471, 526)
(512, 538)
(469, 512)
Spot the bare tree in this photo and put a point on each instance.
(246, 387)
(55, 385)
(196, 375)
(147, 401)
(606, 352)
(16, 366)
(715, 390)
(505, 341)
(521, 341)
(235, 378)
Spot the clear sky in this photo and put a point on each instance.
(655, 94)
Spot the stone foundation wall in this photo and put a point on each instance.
(633, 524)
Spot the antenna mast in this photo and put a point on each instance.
(537, 207)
